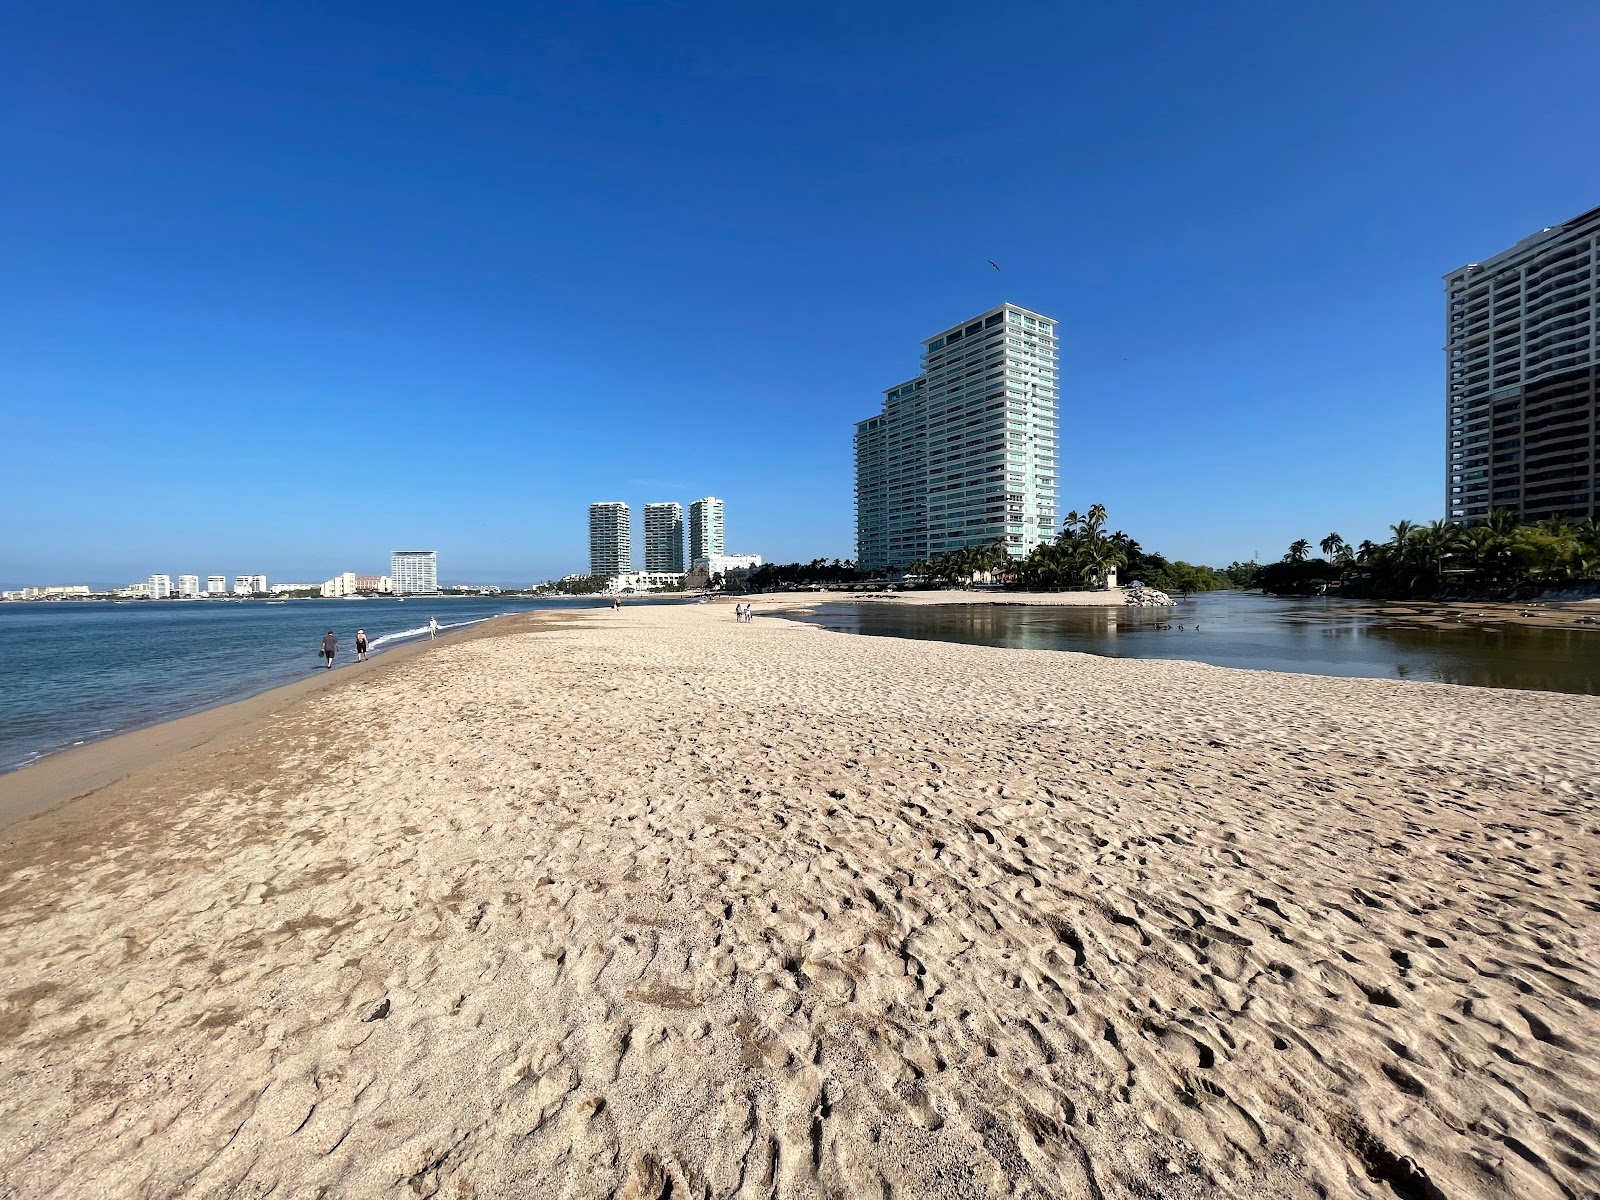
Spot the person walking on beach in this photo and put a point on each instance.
(330, 647)
(433, 628)
(361, 645)
(616, 604)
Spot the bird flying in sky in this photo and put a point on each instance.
(992, 263)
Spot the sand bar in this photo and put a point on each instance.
(646, 903)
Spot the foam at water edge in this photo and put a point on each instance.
(422, 631)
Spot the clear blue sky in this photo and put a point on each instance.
(283, 287)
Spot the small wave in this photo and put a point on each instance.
(422, 631)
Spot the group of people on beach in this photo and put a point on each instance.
(743, 613)
(330, 643)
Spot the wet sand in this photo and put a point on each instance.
(617, 904)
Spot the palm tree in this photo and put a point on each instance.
(1366, 550)
(1298, 551)
(1402, 531)
(1331, 545)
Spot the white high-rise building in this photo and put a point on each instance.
(216, 585)
(249, 585)
(966, 453)
(414, 572)
(663, 537)
(188, 586)
(160, 587)
(610, 540)
(706, 534)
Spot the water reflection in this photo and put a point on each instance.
(1233, 629)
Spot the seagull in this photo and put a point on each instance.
(992, 263)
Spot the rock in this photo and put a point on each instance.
(379, 1013)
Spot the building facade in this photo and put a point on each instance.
(707, 533)
(216, 585)
(967, 453)
(249, 585)
(380, 584)
(414, 572)
(663, 537)
(730, 567)
(188, 586)
(610, 540)
(1520, 378)
(160, 587)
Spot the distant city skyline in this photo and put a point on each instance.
(263, 312)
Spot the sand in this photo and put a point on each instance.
(651, 903)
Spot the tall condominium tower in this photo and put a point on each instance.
(610, 540)
(663, 536)
(705, 529)
(966, 453)
(1521, 364)
(414, 572)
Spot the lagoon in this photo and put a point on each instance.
(1316, 636)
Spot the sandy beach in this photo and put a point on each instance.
(650, 904)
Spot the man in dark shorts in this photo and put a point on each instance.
(330, 647)
(361, 645)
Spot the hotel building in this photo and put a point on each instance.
(610, 540)
(249, 585)
(966, 453)
(414, 572)
(706, 533)
(216, 585)
(160, 587)
(1520, 378)
(663, 537)
(188, 586)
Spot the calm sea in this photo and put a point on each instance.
(74, 672)
(1266, 633)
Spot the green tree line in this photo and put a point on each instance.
(1081, 556)
(1496, 555)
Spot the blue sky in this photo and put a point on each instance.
(287, 286)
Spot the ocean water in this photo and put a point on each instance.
(74, 672)
(1316, 636)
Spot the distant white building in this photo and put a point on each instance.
(706, 532)
(216, 585)
(610, 539)
(135, 591)
(188, 586)
(249, 585)
(342, 584)
(414, 572)
(381, 584)
(278, 589)
(54, 592)
(645, 581)
(725, 565)
(160, 587)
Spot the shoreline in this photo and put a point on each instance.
(74, 773)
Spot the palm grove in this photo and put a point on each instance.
(1498, 555)
(1082, 555)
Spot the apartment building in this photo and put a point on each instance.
(967, 452)
(1520, 378)
(707, 532)
(216, 585)
(249, 585)
(413, 572)
(663, 537)
(610, 540)
(188, 586)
